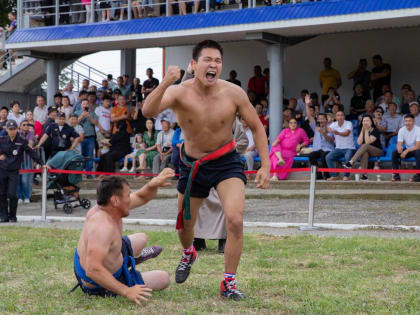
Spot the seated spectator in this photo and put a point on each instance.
(408, 145)
(103, 130)
(258, 83)
(63, 137)
(15, 113)
(121, 112)
(251, 152)
(232, 78)
(405, 107)
(111, 83)
(344, 144)
(167, 114)
(358, 101)
(369, 109)
(252, 97)
(65, 107)
(293, 105)
(24, 189)
(88, 120)
(138, 148)
(177, 141)
(332, 98)
(4, 111)
(74, 122)
(150, 139)
(315, 102)
(58, 97)
(380, 124)
(403, 99)
(35, 125)
(40, 110)
(303, 122)
(301, 102)
(370, 145)
(72, 95)
(163, 146)
(386, 100)
(393, 121)
(287, 144)
(414, 110)
(261, 116)
(119, 147)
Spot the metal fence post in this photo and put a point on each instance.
(207, 6)
(44, 195)
(57, 12)
(167, 7)
(310, 226)
(128, 9)
(19, 22)
(92, 11)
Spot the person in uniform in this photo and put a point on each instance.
(12, 148)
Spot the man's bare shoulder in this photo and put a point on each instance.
(230, 89)
(96, 217)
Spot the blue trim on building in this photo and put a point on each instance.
(213, 19)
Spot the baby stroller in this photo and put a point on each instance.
(66, 191)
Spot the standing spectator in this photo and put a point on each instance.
(111, 83)
(36, 125)
(88, 120)
(357, 103)
(40, 110)
(149, 139)
(150, 84)
(85, 85)
(126, 82)
(344, 144)
(381, 74)
(258, 83)
(232, 78)
(24, 189)
(13, 24)
(177, 141)
(52, 116)
(4, 111)
(409, 135)
(287, 144)
(370, 145)
(329, 78)
(72, 95)
(380, 124)
(163, 146)
(83, 95)
(104, 86)
(88, 8)
(103, 130)
(12, 148)
(92, 99)
(405, 106)
(138, 122)
(123, 89)
(251, 152)
(414, 110)
(393, 121)
(361, 76)
(15, 114)
(65, 107)
(57, 100)
(121, 112)
(301, 102)
(74, 122)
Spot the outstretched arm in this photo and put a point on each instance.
(248, 113)
(164, 96)
(149, 191)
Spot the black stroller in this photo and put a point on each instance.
(66, 191)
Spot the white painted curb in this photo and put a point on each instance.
(329, 226)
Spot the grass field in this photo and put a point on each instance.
(292, 275)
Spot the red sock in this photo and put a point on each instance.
(229, 276)
(188, 251)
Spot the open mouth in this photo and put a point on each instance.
(211, 75)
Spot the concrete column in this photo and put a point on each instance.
(275, 59)
(128, 62)
(53, 71)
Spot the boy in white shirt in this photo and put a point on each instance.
(104, 121)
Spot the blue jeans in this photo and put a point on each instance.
(88, 147)
(337, 154)
(24, 188)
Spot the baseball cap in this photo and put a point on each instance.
(52, 109)
(166, 118)
(413, 103)
(11, 124)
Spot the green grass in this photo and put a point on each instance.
(281, 275)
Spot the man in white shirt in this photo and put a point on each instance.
(15, 114)
(72, 95)
(251, 151)
(344, 144)
(169, 115)
(163, 146)
(40, 110)
(408, 136)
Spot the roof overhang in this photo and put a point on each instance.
(289, 28)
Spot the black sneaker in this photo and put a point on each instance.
(148, 253)
(415, 178)
(199, 244)
(184, 267)
(13, 219)
(228, 290)
(348, 165)
(364, 177)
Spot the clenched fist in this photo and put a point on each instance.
(172, 75)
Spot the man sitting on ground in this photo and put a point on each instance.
(103, 255)
(409, 135)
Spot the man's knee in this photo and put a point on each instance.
(234, 222)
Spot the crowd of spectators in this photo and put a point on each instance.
(105, 124)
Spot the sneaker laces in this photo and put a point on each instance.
(185, 261)
(147, 251)
(231, 286)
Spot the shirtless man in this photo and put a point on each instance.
(103, 255)
(206, 108)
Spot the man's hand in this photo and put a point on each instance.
(161, 179)
(2, 157)
(138, 293)
(404, 154)
(262, 178)
(172, 75)
(307, 99)
(399, 149)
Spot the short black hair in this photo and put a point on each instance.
(14, 102)
(82, 92)
(208, 43)
(409, 116)
(377, 57)
(328, 59)
(107, 97)
(74, 115)
(92, 93)
(58, 95)
(392, 94)
(109, 186)
(109, 76)
(4, 108)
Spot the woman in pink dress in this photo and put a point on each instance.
(290, 141)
